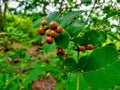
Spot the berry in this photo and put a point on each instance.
(61, 51)
(44, 22)
(81, 48)
(46, 27)
(89, 46)
(41, 31)
(52, 33)
(53, 25)
(49, 40)
(59, 29)
(47, 32)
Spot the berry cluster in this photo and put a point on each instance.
(82, 48)
(50, 30)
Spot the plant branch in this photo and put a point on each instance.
(1, 20)
(78, 77)
(5, 10)
(79, 6)
(78, 81)
(60, 9)
(118, 24)
(44, 8)
(91, 11)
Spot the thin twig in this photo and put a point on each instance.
(80, 5)
(60, 9)
(118, 25)
(44, 7)
(91, 11)
(1, 18)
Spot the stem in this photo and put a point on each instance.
(78, 81)
(119, 23)
(4, 14)
(5, 9)
(78, 53)
(1, 18)
(78, 77)
(44, 8)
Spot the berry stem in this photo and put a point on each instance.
(78, 53)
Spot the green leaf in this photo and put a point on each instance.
(118, 1)
(58, 86)
(68, 84)
(50, 68)
(1, 80)
(73, 30)
(56, 2)
(103, 36)
(86, 1)
(105, 77)
(33, 74)
(78, 40)
(92, 37)
(111, 44)
(72, 82)
(62, 40)
(43, 39)
(113, 37)
(60, 56)
(70, 64)
(48, 47)
(70, 1)
(103, 68)
(82, 62)
(35, 39)
(101, 57)
(66, 20)
(37, 23)
(83, 83)
(53, 17)
(112, 13)
(106, 9)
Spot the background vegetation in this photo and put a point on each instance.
(28, 63)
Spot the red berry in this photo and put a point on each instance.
(59, 29)
(89, 46)
(61, 51)
(49, 40)
(53, 25)
(44, 22)
(81, 48)
(41, 31)
(52, 33)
